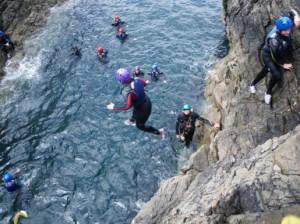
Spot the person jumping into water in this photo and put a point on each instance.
(135, 96)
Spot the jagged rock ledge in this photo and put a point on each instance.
(20, 19)
(249, 172)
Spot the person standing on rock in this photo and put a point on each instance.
(276, 53)
(185, 125)
(135, 96)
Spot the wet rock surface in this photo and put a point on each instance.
(20, 18)
(249, 173)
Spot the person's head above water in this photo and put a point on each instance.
(117, 18)
(284, 25)
(100, 50)
(154, 66)
(123, 76)
(120, 30)
(137, 68)
(7, 177)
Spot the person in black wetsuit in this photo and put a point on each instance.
(76, 51)
(10, 182)
(133, 92)
(276, 53)
(137, 73)
(5, 43)
(155, 72)
(117, 21)
(121, 34)
(185, 125)
(101, 52)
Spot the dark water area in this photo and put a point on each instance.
(79, 163)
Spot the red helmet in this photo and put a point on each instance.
(120, 30)
(100, 50)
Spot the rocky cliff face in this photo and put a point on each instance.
(249, 173)
(20, 18)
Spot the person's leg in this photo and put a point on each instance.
(260, 76)
(141, 116)
(188, 138)
(276, 76)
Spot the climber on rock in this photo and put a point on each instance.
(186, 124)
(276, 53)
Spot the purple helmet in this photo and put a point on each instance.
(123, 76)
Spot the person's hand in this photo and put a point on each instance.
(216, 126)
(110, 106)
(178, 136)
(287, 66)
(297, 20)
(147, 81)
(7, 44)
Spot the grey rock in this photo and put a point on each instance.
(252, 173)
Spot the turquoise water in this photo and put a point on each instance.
(79, 163)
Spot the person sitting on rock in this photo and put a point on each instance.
(117, 21)
(276, 53)
(101, 52)
(5, 43)
(185, 125)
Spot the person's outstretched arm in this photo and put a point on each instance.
(129, 104)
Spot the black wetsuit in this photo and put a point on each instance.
(117, 23)
(141, 104)
(155, 73)
(122, 35)
(12, 186)
(185, 126)
(138, 74)
(4, 40)
(276, 51)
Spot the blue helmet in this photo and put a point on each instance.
(7, 177)
(186, 107)
(284, 23)
(154, 66)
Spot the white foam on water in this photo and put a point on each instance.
(139, 204)
(38, 44)
(120, 204)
